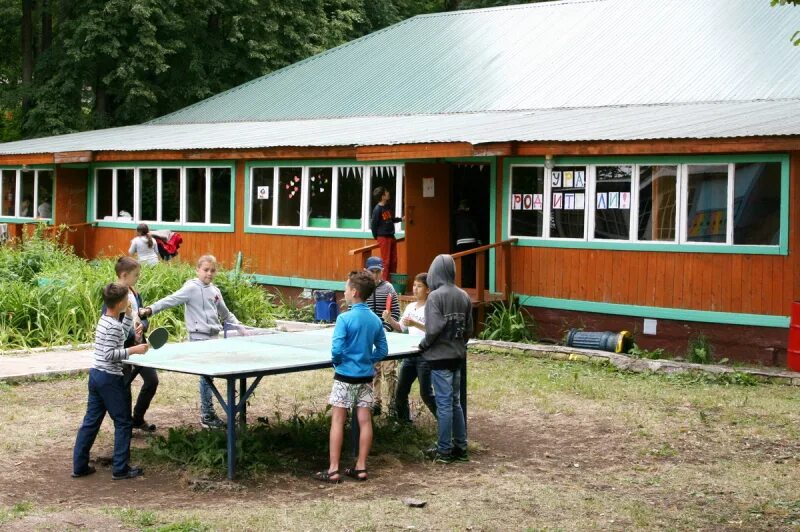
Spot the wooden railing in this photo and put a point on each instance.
(364, 253)
(504, 284)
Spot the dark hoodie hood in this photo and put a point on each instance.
(441, 272)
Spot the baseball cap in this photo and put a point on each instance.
(374, 263)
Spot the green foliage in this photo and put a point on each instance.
(295, 444)
(49, 296)
(511, 324)
(700, 350)
(294, 309)
(187, 525)
(640, 352)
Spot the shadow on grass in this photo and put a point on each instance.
(292, 445)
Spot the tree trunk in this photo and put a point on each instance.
(452, 5)
(27, 53)
(47, 26)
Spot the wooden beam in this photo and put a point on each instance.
(67, 157)
(414, 151)
(299, 152)
(33, 158)
(495, 149)
(661, 147)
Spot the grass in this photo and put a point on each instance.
(562, 446)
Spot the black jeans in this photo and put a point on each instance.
(412, 369)
(146, 393)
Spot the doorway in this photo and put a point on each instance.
(470, 199)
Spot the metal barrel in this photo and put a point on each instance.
(603, 341)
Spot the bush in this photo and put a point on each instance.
(510, 324)
(49, 296)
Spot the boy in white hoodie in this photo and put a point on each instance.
(206, 315)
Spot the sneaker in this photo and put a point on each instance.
(436, 457)
(460, 455)
(212, 423)
(85, 473)
(132, 472)
(144, 426)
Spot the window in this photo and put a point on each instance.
(657, 201)
(527, 201)
(716, 203)
(26, 193)
(612, 216)
(756, 203)
(168, 195)
(568, 206)
(318, 197)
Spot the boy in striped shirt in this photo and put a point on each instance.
(107, 389)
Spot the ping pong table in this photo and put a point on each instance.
(254, 357)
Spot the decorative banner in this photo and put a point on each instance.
(527, 202)
(625, 200)
(263, 192)
(567, 179)
(569, 201)
(613, 200)
(516, 202)
(558, 200)
(580, 179)
(556, 179)
(538, 199)
(602, 200)
(580, 201)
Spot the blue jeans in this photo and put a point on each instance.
(107, 393)
(206, 395)
(449, 416)
(412, 369)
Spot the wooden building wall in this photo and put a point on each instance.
(749, 284)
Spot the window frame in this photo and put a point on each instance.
(305, 228)
(183, 225)
(19, 171)
(681, 242)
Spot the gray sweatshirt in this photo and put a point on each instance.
(448, 314)
(205, 308)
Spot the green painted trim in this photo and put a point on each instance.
(621, 245)
(325, 233)
(299, 282)
(15, 220)
(781, 249)
(221, 228)
(731, 318)
(324, 223)
(348, 223)
(318, 163)
(194, 228)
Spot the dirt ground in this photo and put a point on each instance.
(562, 457)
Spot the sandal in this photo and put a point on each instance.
(352, 472)
(327, 476)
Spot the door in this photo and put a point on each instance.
(427, 211)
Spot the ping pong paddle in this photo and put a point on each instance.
(158, 337)
(389, 304)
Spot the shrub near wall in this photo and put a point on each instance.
(49, 296)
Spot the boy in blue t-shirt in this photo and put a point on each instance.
(358, 343)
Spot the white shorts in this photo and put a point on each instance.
(344, 394)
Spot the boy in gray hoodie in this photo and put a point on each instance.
(206, 315)
(448, 326)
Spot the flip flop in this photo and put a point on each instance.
(352, 472)
(326, 476)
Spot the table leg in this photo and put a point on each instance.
(243, 399)
(231, 414)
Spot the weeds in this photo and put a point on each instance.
(700, 350)
(508, 323)
(295, 444)
(640, 352)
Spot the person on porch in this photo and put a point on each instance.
(382, 226)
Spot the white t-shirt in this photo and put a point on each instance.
(146, 254)
(416, 314)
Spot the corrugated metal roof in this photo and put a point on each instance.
(579, 53)
(705, 120)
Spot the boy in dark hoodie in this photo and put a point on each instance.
(448, 326)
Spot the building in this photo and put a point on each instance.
(644, 154)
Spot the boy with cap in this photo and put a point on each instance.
(384, 371)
